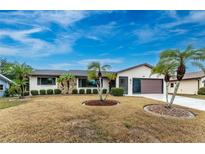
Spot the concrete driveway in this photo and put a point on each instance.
(179, 100)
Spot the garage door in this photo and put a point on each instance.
(151, 86)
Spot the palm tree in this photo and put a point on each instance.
(60, 80)
(181, 58)
(67, 77)
(167, 69)
(95, 72)
(111, 77)
(21, 73)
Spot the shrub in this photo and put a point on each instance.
(57, 91)
(88, 91)
(42, 92)
(26, 93)
(6, 93)
(75, 91)
(201, 91)
(104, 91)
(117, 91)
(34, 92)
(81, 91)
(95, 91)
(50, 91)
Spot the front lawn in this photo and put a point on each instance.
(9, 102)
(65, 119)
(193, 96)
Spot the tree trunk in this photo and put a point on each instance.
(22, 92)
(68, 86)
(167, 87)
(174, 94)
(100, 89)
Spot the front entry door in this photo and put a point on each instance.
(136, 86)
(123, 83)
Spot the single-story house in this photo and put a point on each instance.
(134, 80)
(47, 79)
(4, 84)
(190, 83)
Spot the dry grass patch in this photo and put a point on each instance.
(65, 119)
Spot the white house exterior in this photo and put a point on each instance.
(47, 79)
(190, 83)
(4, 84)
(138, 80)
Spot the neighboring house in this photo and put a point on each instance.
(190, 83)
(135, 80)
(47, 79)
(4, 84)
(138, 80)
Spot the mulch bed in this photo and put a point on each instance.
(163, 110)
(101, 103)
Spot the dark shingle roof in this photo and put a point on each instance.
(192, 75)
(60, 72)
(48, 72)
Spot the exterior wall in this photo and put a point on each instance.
(138, 72)
(202, 82)
(34, 86)
(5, 86)
(186, 87)
(105, 85)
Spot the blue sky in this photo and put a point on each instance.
(71, 39)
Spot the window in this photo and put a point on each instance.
(172, 85)
(84, 82)
(46, 81)
(1, 87)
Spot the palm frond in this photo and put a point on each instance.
(199, 65)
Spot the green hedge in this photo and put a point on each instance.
(88, 91)
(95, 91)
(201, 91)
(104, 91)
(82, 91)
(117, 91)
(50, 91)
(57, 91)
(75, 91)
(26, 93)
(42, 92)
(34, 92)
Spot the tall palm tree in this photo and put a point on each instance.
(181, 58)
(67, 77)
(168, 70)
(111, 77)
(21, 73)
(95, 72)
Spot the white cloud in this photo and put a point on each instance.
(63, 18)
(172, 13)
(100, 32)
(4, 51)
(145, 34)
(102, 61)
(34, 47)
(63, 66)
(193, 17)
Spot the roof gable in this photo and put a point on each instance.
(136, 66)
